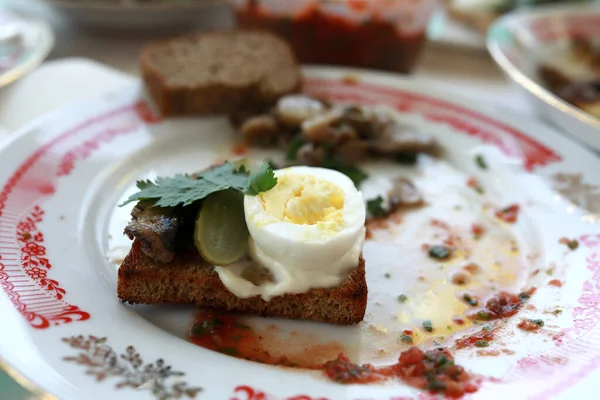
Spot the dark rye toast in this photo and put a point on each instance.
(219, 72)
(188, 279)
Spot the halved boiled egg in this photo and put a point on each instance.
(307, 231)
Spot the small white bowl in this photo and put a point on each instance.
(521, 40)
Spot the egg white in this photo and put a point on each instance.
(301, 256)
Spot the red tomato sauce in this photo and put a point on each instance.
(503, 305)
(434, 371)
(555, 282)
(478, 339)
(318, 37)
(477, 231)
(225, 334)
(509, 214)
(530, 325)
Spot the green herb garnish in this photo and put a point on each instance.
(387, 275)
(482, 343)
(483, 315)
(480, 161)
(206, 327)
(402, 298)
(538, 322)
(469, 300)
(375, 207)
(292, 151)
(524, 296)
(185, 190)
(261, 181)
(428, 326)
(406, 158)
(406, 338)
(440, 252)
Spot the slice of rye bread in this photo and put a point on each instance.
(219, 72)
(188, 279)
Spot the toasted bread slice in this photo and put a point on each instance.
(188, 279)
(219, 72)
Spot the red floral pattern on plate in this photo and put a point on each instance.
(249, 393)
(24, 267)
(571, 359)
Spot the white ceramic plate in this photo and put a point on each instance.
(520, 41)
(64, 330)
(24, 44)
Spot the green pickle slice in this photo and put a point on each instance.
(221, 234)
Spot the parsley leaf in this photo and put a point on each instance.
(292, 150)
(185, 189)
(261, 181)
(480, 161)
(375, 207)
(428, 326)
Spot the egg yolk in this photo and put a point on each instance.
(305, 200)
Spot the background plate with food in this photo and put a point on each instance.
(549, 53)
(497, 265)
(132, 14)
(24, 44)
(464, 23)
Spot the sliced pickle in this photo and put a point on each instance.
(221, 234)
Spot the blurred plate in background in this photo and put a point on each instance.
(24, 44)
(131, 14)
(522, 41)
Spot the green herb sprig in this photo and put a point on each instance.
(185, 189)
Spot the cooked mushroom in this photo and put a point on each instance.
(260, 130)
(292, 110)
(156, 228)
(353, 152)
(328, 128)
(369, 124)
(402, 139)
(310, 155)
(404, 194)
